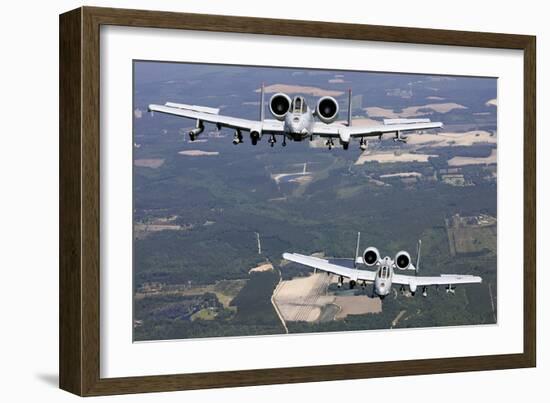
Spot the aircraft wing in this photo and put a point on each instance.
(328, 267)
(211, 115)
(444, 279)
(389, 126)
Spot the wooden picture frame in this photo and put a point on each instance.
(79, 346)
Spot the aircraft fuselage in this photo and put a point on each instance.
(299, 125)
(383, 279)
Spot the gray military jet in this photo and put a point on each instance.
(295, 120)
(385, 274)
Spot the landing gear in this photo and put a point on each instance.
(425, 292)
(272, 140)
(402, 290)
(450, 289)
(340, 281)
(345, 146)
(363, 144)
(237, 137)
(363, 284)
(199, 128)
(330, 144)
(399, 138)
(352, 284)
(284, 141)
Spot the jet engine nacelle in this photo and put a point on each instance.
(279, 105)
(402, 260)
(327, 109)
(371, 256)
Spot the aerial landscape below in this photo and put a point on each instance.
(399, 158)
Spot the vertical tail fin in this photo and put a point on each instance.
(349, 107)
(356, 249)
(418, 257)
(262, 115)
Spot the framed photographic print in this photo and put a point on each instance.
(250, 201)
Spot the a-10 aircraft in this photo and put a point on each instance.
(384, 276)
(295, 120)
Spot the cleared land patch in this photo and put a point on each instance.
(143, 229)
(306, 299)
(198, 153)
(357, 305)
(149, 163)
(300, 89)
(402, 175)
(447, 139)
(471, 234)
(412, 111)
(262, 267)
(225, 290)
(461, 161)
(385, 157)
(301, 299)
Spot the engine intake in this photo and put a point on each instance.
(279, 105)
(402, 260)
(371, 256)
(327, 109)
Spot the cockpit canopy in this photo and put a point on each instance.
(299, 105)
(384, 272)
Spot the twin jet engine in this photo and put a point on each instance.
(371, 257)
(326, 109)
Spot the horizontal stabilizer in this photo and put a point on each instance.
(196, 108)
(405, 121)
